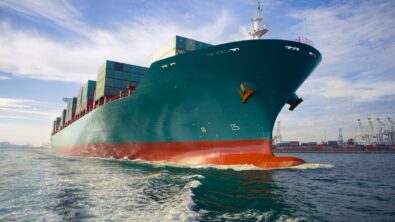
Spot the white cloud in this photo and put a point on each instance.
(30, 54)
(355, 78)
(357, 41)
(60, 12)
(359, 90)
(4, 77)
(16, 103)
(25, 109)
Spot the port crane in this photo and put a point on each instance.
(277, 138)
(371, 135)
(392, 131)
(361, 136)
(381, 133)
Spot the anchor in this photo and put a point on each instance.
(246, 94)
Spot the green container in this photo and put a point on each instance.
(136, 77)
(125, 84)
(117, 83)
(180, 42)
(110, 64)
(118, 75)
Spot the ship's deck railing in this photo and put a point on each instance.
(304, 40)
(96, 104)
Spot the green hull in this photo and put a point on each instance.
(195, 98)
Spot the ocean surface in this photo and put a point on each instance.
(40, 185)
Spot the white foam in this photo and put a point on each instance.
(183, 211)
(285, 218)
(306, 166)
(252, 215)
(245, 167)
(128, 197)
(195, 176)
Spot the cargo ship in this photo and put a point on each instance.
(197, 103)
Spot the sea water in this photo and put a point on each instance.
(40, 185)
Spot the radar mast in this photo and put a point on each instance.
(258, 29)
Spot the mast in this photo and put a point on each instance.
(258, 29)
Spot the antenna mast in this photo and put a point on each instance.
(258, 30)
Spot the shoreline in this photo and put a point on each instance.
(334, 151)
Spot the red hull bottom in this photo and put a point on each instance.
(235, 152)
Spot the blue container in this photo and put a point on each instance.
(382, 148)
(109, 82)
(110, 73)
(118, 66)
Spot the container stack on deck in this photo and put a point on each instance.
(116, 80)
(87, 96)
(58, 120)
(63, 118)
(71, 108)
(178, 45)
(115, 77)
(78, 107)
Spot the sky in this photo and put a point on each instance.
(48, 48)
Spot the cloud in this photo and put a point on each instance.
(59, 12)
(359, 90)
(357, 44)
(28, 53)
(356, 76)
(25, 109)
(4, 77)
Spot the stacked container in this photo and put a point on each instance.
(58, 121)
(71, 108)
(112, 77)
(87, 95)
(54, 126)
(79, 98)
(178, 45)
(63, 118)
